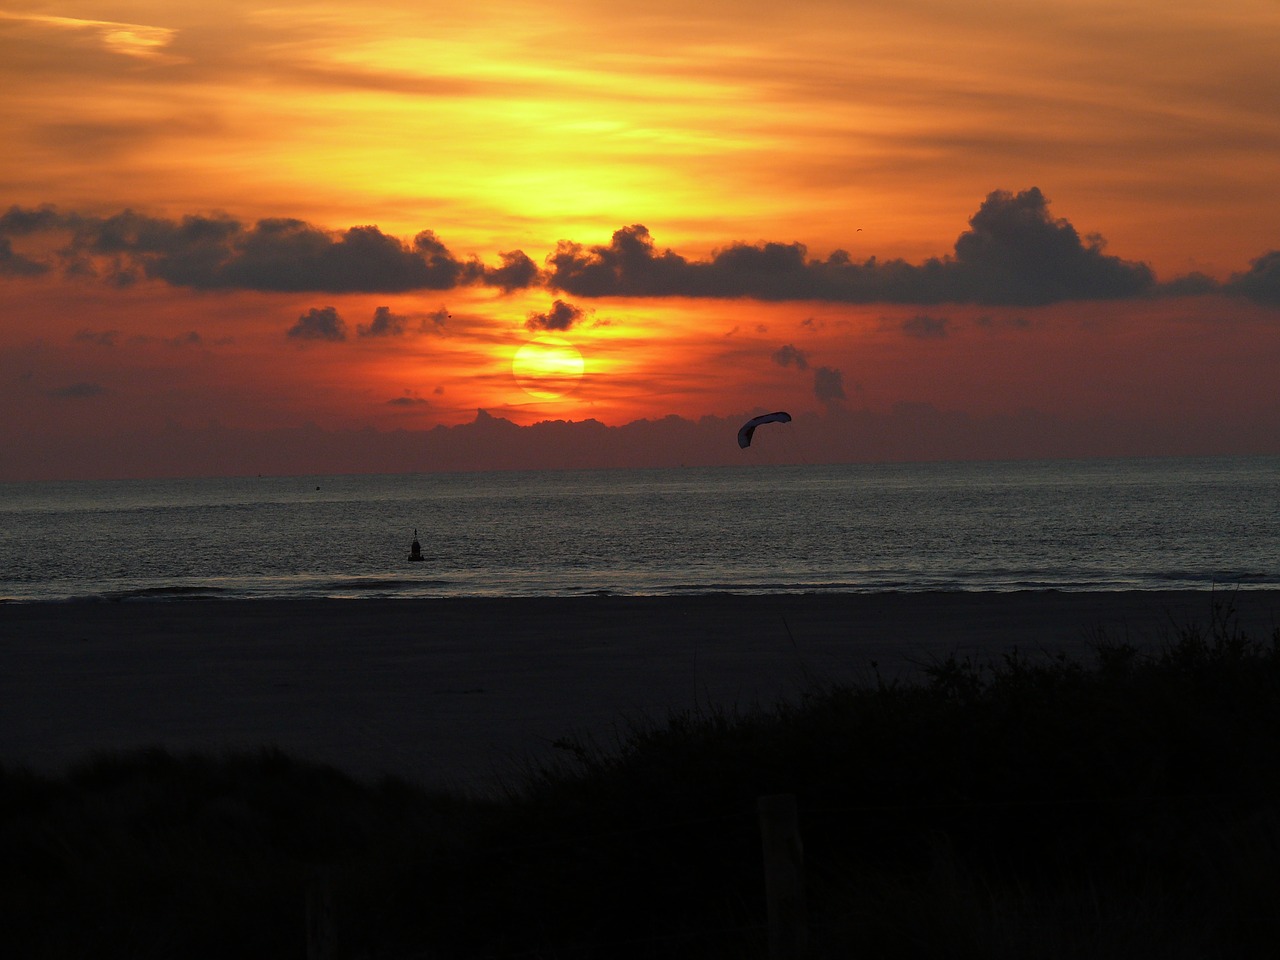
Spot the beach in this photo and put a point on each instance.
(467, 693)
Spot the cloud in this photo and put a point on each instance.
(517, 272)
(1191, 285)
(561, 316)
(626, 267)
(1261, 282)
(925, 327)
(15, 265)
(407, 400)
(319, 324)
(828, 384)
(788, 355)
(385, 324)
(1017, 253)
(1013, 253)
(78, 391)
(988, 322)
(99, 338)
(19, 222)
(435, 320)
(189, 339)
(281, 254)
(142, 41)
(290, 255)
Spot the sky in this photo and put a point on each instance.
(315, 238)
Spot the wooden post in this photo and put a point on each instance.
(321, 929)
(784, 877)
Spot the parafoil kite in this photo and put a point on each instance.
(748, 428)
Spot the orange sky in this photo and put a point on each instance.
(1043, 227)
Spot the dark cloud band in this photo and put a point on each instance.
(1014, 253)
(275, 255)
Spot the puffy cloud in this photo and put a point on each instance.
(627, 267)
(15, 265)
(17, 221)
(517, 272)
(443, 270)
(290, 255)
(561, 316)
(925, 327)
(1261, 282)
(789, 355)
(828, 384)
(218, 252)
(321, 323)
(385, 324)
(1013, 253)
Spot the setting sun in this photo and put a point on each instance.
(330, 230)
(381, 381)
(548, 367)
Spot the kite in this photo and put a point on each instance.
(748, 428)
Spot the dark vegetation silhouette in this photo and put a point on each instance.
(1031, 806)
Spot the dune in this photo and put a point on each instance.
(460, 692)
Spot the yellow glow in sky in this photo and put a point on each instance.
(548, 367)
(751, 141)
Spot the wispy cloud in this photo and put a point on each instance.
(142, 41)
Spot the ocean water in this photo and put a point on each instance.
(1065, 525)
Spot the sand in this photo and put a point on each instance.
(464, 693)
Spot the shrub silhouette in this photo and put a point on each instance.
(1028, 806)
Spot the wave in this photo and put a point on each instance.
(1219, 578)
(376, 585)
(167, 592)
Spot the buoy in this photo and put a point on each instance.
(415, 549)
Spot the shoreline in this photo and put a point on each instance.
(462, 692)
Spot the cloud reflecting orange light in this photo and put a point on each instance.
(731, 131)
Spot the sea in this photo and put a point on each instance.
(1109, 524)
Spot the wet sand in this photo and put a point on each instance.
(462, 692)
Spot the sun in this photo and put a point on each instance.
(548, 367)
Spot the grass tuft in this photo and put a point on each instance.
(1122, 806)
